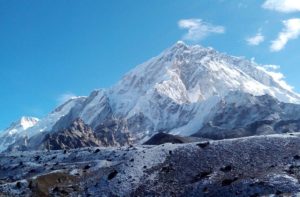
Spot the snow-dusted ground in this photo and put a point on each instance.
(250, 166)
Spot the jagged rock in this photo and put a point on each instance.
(113, 132)
(250, 166)
(77, 135)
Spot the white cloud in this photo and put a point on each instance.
(65, 97)
(255, 40)
(291, 31)
(272, 67)
(286, 6)
(198, 29)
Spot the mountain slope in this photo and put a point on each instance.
(176, 92)
(77, 135)
(35, 126)
(16, 131)
(239, 114)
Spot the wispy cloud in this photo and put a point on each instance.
(279, 78)
(198, 29)
(65, 97)
(286, 6)
(255, 40)
(273, 71)
(290, 31)
(272, 67)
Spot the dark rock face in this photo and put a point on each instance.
(162, 138)
(254, 166)
(113, 132)
(77, 135)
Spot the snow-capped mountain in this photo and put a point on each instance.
(22, 130)
(22, 124)
(16, 131)
(176, 92)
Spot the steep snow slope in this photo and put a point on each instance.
(194, 73)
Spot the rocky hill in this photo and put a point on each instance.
(251, 166)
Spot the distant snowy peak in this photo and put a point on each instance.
(22, 124)
(48, 122)
(27, 122)
(27, 127)
(16, 131)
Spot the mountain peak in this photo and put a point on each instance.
(27, 121)
(23, 123)
(180, 43)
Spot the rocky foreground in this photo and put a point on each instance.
(252, 166)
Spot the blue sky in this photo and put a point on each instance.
(50, 50)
